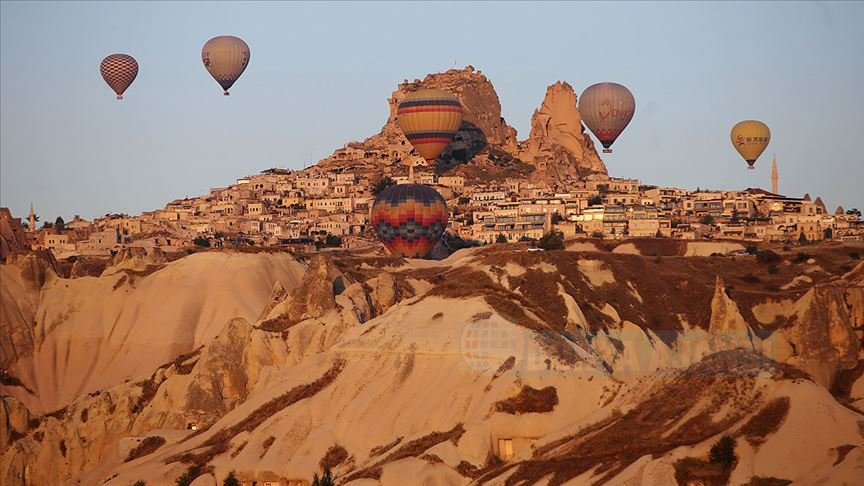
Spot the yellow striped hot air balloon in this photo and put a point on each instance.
(607, 109)
(750, 138)
(225, 57)
(430, 119)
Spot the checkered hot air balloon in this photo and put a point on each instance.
(409, 219)
(119, 70)
(225, 58)
(607, 109)
(430, 119)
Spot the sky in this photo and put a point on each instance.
(320, 75)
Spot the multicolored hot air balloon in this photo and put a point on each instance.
(409, 219)
(225, 57)
(750, 138)
(119, 70)
(430, 119)
(607, 109)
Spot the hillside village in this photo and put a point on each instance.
(281, 207)
(497, 189)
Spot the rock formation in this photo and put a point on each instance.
(12, 237)
(558, 145)
(486, 147)
(387, 368)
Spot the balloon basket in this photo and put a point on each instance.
(607, 151)
(226, 94)
(119, 97)
(750, 167)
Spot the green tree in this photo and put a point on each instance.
(139, 483)
(201, 241)
(501, 238)
(802, 238)
(381, 184)
(231, 480)
(47, 225)
(59, 223)
(707, 219)
(723, 452)
(325, 480)
(552, 241)
(595, 200)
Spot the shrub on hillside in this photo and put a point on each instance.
(767, 257)
(325, 480)
(231, 480)
(189, 476)
(855, 255)
(723, 452)
(552, 241)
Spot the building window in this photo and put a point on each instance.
(505, 449)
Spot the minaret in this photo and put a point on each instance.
(32, 218)
(774, 175)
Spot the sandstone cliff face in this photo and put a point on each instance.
(558, 144)
(22, 280)
(12, 237)
(14, 421)
(136, 258)
(313, 298)
(609, 333)
(824, 337)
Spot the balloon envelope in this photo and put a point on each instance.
(430, 119)
(409, 219)
(119, 70)
(750, 138)
(225, 57)
(607, 109)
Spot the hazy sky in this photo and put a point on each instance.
(320, 74)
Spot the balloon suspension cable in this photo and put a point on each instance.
(607, 151)
(119, 97)
(226, 93)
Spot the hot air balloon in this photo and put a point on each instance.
(119, 70)
(409, 219)
(750, 137)
(607, 109)
(225, 57)
(430, 118)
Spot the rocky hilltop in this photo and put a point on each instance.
(486, 147)
(618, 363)
(558, 145)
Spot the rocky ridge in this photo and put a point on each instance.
(609, 336)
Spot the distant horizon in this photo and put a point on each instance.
(320, 74)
